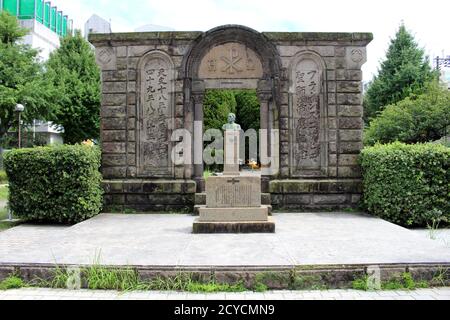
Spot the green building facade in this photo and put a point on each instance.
(41, 11)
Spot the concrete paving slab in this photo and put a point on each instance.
(167, 240)
(51, 294)
(442, 235)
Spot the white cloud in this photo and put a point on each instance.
(426, 19)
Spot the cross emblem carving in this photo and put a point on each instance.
(231, 63)
(234, 181)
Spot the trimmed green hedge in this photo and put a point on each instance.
(407, 184)
(59, 184)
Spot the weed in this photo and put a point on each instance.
(361, 283)
(271, 279)
(12, 282)
(307, 282)
(441, 276)
(406, 282)
(260, 287)
(215, 287)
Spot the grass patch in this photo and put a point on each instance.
(4, 193)
(361, 284)
(3, 214)
(3, 177)
(12, 282)
(187, 283)
(211, 287)
(405, 282)
(98, 277)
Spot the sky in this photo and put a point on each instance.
(428, 20)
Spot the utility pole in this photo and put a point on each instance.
(442, 62)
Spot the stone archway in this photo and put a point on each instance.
(229, 57)
(309, 86)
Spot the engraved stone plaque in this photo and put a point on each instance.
(307, 99)
(155, 115)
(231, 61)
(233, 192)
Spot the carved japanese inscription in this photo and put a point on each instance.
(231, 61)
(307, 93)
(155, 115)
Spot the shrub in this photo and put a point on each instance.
(54, 184)
(407, 184)
(422, 118)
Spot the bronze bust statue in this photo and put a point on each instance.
(231, 125)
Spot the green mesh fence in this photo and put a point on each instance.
(26, 9)
(53, 19)
(40, 11)
(47, 14)
(10, 6)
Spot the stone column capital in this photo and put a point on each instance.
(198, 97)
(264, 96)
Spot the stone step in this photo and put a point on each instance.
(200, 199)
(198, 206)
(259, 214)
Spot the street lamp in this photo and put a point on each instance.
(19, 109)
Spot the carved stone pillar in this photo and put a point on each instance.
(266, 126)
(198, 140)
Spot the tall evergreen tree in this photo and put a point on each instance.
(74, 73)
(21, 78)
(405, 71)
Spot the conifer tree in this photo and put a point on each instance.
(405, 71)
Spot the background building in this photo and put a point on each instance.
(442, 63)
(96, 24)
(45, 22)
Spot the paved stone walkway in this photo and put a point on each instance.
(441, 235)
(50, 294)
(167, 240)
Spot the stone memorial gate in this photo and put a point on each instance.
(309, 86)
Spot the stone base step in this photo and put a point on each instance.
(234, 227)
(258, 214)
(197, 209)
(200, 199)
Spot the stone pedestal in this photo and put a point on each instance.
(231, 153)
(233, 205)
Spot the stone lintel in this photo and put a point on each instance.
(363, 37)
